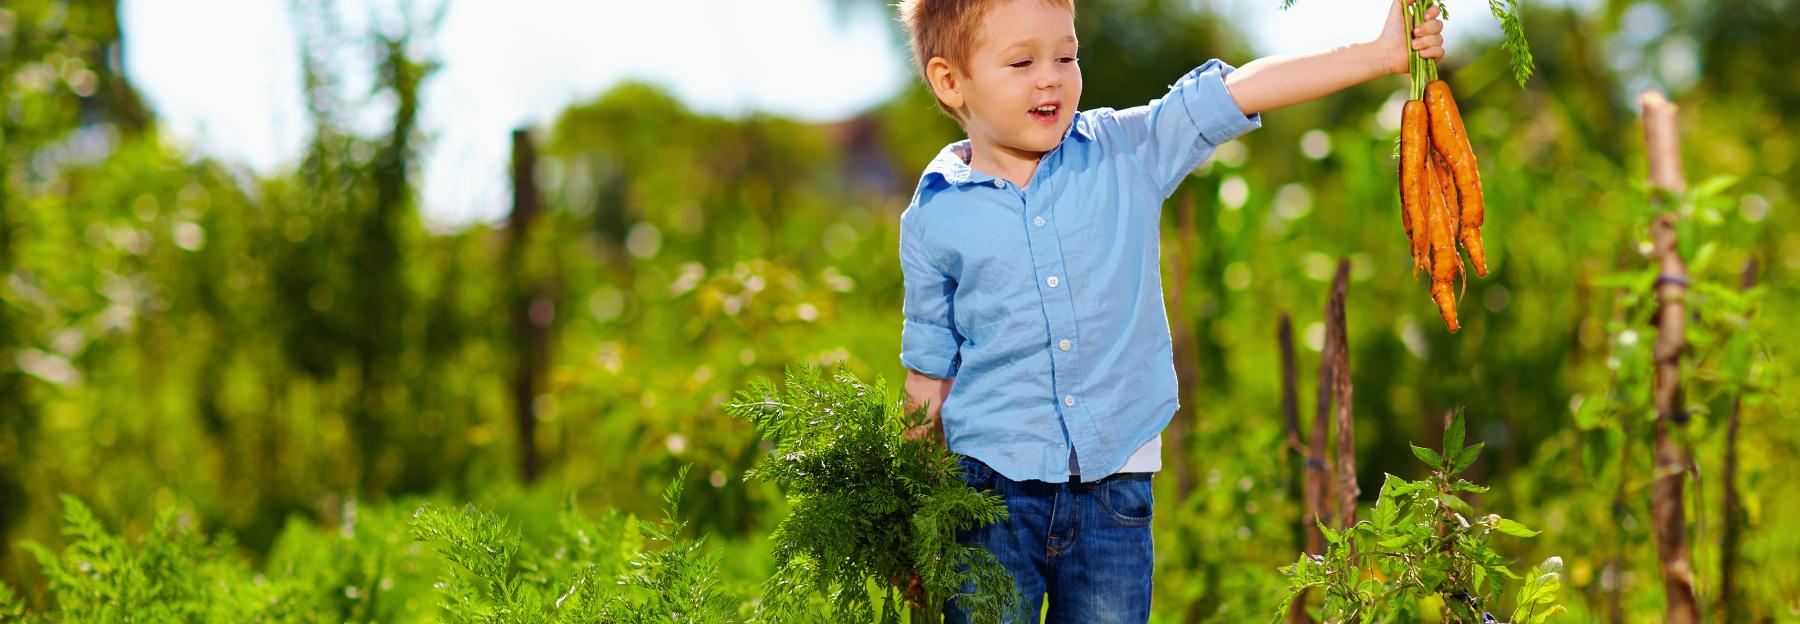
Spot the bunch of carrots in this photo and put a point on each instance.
(1440, 186)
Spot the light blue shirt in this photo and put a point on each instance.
(1046, 303)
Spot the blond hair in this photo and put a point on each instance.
(947, 28)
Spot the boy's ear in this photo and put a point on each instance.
(945, 81)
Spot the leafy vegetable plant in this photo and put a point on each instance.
(1425, 552)
(867, 505)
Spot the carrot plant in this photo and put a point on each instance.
(867, 505)
(583, 581)
(174, 573)
(1423, 552)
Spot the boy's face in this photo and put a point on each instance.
(1022, 85)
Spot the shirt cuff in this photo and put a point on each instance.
(1210, 107)
(929, 349)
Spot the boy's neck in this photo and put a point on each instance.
(1015, 166)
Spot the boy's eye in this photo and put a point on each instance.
(1021, 64)
(1066, 60)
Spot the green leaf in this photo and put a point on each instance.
(1466, 458)
(1330, 535)
(1537, 599)
(1630, 280)
(1385, 505)
(1517, 49)
(1457, 505)
(1713, 186)
(1513, 528)
(1397, 541)
(1453, 436)
(1465, 486)
(1428, 456)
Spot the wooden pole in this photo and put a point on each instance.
(1334, 382)
(1661, 136)
(531, 309)
(1337, 333)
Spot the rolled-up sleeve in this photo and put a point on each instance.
(1173, 135)
(928, 341)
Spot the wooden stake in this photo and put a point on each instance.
(1661, 136)
(1337, 333)
(1334, 381)
(531, 308)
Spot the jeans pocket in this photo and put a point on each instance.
(976, 473)
(1128, 502)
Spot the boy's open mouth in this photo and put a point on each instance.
(1046, 112)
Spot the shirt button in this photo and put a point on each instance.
(1064, 345)
(1038, 222)
(1069, 400)
(1053, 281)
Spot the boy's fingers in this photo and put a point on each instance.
(1427, 42)
(1428, 28)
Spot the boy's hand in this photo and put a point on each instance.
(933, 431)
(930, 392)
(1428, 38)
(912, 588)
(1266, 84)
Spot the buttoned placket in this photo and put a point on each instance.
(1055, 294)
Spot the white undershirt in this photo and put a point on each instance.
(1148, 458)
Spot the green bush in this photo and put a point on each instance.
(372, 568)
(175, 574)
(1425, 553)
(585, 578)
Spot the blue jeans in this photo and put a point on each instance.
(1086, 545)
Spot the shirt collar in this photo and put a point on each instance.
(952, 164)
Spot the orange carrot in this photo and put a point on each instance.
(1447, 189)
(1413, 146)
(1450, 138)
(1471, 240)
(1444, 262)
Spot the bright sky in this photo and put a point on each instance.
(223, 74)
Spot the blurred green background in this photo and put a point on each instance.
(272, 349)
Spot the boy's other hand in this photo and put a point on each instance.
(1428, 38)
(933, 431)
(929, 392)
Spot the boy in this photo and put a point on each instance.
(1033, 299)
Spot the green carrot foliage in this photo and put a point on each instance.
(867, 505)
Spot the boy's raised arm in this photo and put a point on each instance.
(1269, 83)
